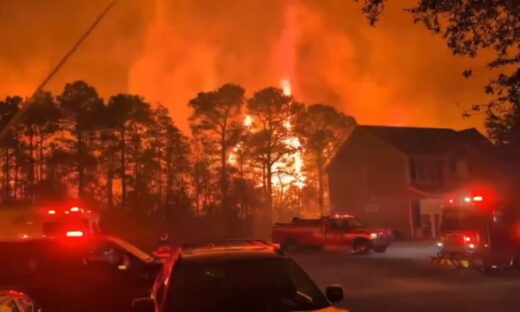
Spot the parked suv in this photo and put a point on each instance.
(229, 276)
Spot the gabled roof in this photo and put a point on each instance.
(413, 140)
(418, 140)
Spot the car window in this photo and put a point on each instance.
(131, 249)
(354, 223)
(339, 224)
(271, 285)
(106, 252)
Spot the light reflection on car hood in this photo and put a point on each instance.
(329, 309)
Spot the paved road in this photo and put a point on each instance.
(403, 280)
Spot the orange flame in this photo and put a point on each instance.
(286, 87)
(290, 166)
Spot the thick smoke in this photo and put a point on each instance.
(396, 73)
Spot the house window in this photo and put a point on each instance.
(426, 170)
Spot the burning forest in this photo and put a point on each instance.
(249, 158)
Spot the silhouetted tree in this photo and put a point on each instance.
(215, 116)
(468, 28)
(321, 128)
(8, 109)
(82, 110)
(41, 120)
(172, 152)
(126, 114)
(273, 113)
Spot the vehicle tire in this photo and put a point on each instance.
(289, 244)
(361, 246)
(380, 249)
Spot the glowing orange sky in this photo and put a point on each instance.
(396, 73)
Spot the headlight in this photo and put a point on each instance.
(374, 235)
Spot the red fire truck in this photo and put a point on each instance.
(336, 231)
(479, 231)
(47, 221)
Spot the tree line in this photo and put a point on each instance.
(260, 157)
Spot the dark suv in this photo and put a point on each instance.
(229, 276)
(99, 273)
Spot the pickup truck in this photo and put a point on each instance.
(337, 231)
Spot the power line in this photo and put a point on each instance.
(25, 105)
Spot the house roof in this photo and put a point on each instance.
(415, 140)
(418, 140)
(412, 140)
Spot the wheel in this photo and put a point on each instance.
(289, 244)
(380, 249)
(361, 247)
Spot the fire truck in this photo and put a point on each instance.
(47, 221)
(479, 231)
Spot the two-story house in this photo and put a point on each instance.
(396, 177)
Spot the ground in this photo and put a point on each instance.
(403, 280)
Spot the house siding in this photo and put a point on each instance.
(369, 179)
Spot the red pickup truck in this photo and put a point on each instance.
(337, 231)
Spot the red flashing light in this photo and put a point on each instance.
(74, 234)
(75, 209)
(478, 198)
(51, 212)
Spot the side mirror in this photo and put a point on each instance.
(334, 293)
(143, 305)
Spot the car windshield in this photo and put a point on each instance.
(355, 223)
(243, 285)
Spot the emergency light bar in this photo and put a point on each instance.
(74, 234)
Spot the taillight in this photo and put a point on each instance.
(51, 212)
(470, 239)
(75, 209)
(74, 234)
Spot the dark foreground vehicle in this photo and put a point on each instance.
(77, 273)
(338, 231)
(236, 276)
(480, 233)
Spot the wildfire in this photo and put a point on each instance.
(290, 167)
(286, 87)
(248, 121)
(288, 170)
